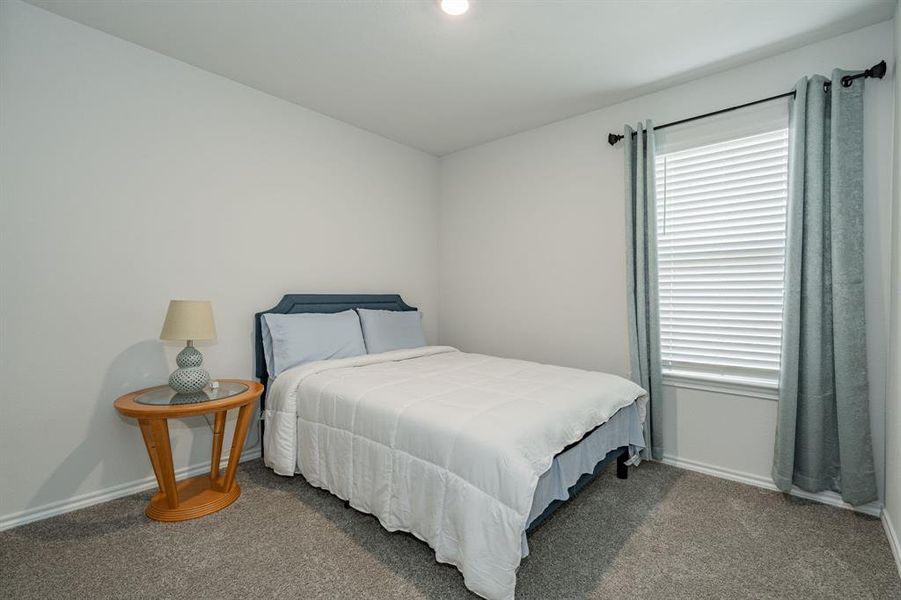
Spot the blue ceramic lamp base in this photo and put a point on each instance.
(190, 377)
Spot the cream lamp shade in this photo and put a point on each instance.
(189, 320)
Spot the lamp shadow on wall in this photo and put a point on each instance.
(106, 439)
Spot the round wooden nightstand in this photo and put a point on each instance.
(205, 494)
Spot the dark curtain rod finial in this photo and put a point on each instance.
(877, 71)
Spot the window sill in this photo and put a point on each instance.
(721, 384)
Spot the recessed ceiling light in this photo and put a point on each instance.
(455, 7)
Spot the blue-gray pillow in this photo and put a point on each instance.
(291, 340)
(385, 330)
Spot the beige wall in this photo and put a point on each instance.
(532, 259)
(129, 178)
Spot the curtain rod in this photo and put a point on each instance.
(878, 71)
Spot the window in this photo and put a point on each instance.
(721, 210)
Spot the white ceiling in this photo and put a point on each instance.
(405, 70)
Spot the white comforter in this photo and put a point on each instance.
(445, 445)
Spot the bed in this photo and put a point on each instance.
(467, 452)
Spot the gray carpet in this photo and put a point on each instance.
(663, 533)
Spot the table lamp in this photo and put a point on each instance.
(189, 320)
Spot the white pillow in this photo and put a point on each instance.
(385, 330)
(291, 340)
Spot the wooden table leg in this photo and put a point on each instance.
(159, 433)
(151, 450)
(245, 415)
(218, 431)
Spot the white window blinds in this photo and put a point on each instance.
(721, 248)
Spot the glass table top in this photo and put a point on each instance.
(166, 396)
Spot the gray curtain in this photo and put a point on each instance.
(641, 280)
(823, 430)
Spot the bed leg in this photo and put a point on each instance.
(622, 469)
(262, 448)
(347, 504)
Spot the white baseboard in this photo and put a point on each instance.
(831, 498)
(125, 489)
(893, 539)
(52, 509)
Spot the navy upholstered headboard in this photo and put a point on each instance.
(318, 303)
(313, 303)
